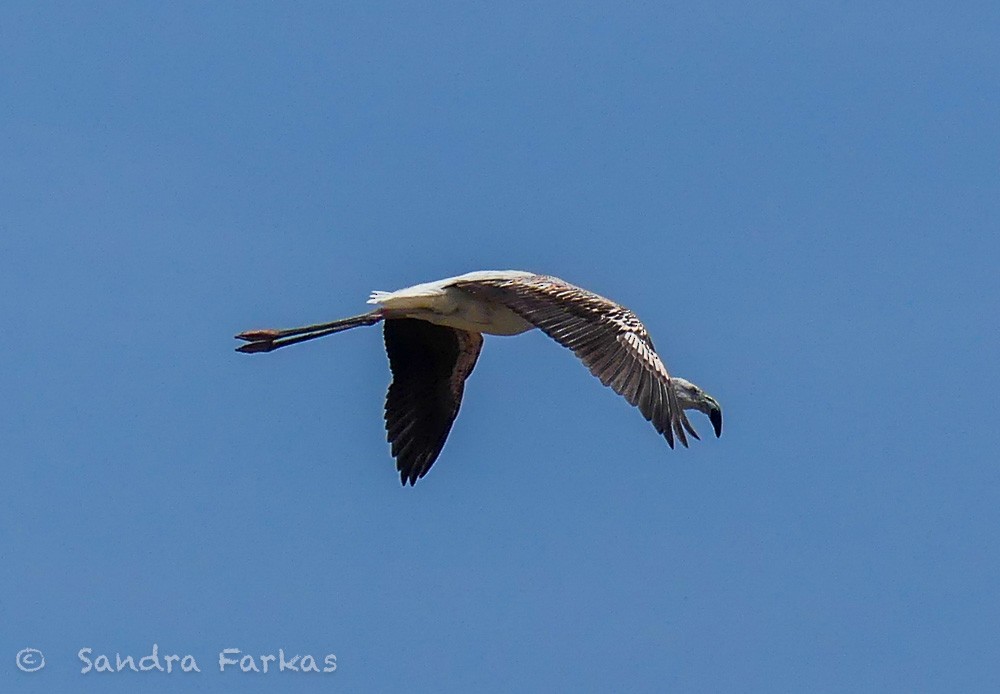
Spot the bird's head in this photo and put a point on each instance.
(692, 397)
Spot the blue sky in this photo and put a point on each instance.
(801, 203)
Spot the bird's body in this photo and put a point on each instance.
(433, 336)
(443, 303)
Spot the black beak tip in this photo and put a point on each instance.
(716, 417)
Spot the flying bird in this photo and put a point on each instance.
(434, 333)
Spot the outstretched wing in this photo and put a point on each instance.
(429, 365)
(607, 337)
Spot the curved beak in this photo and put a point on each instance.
(716, 417)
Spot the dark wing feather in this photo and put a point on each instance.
(607, 337)
(429, 365)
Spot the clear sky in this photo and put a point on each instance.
(801, 202)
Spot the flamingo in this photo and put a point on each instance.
(434, 332)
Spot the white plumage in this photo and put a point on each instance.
(443, 303)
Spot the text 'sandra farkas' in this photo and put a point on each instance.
(226, 660)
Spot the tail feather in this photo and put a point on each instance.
(377, 296)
